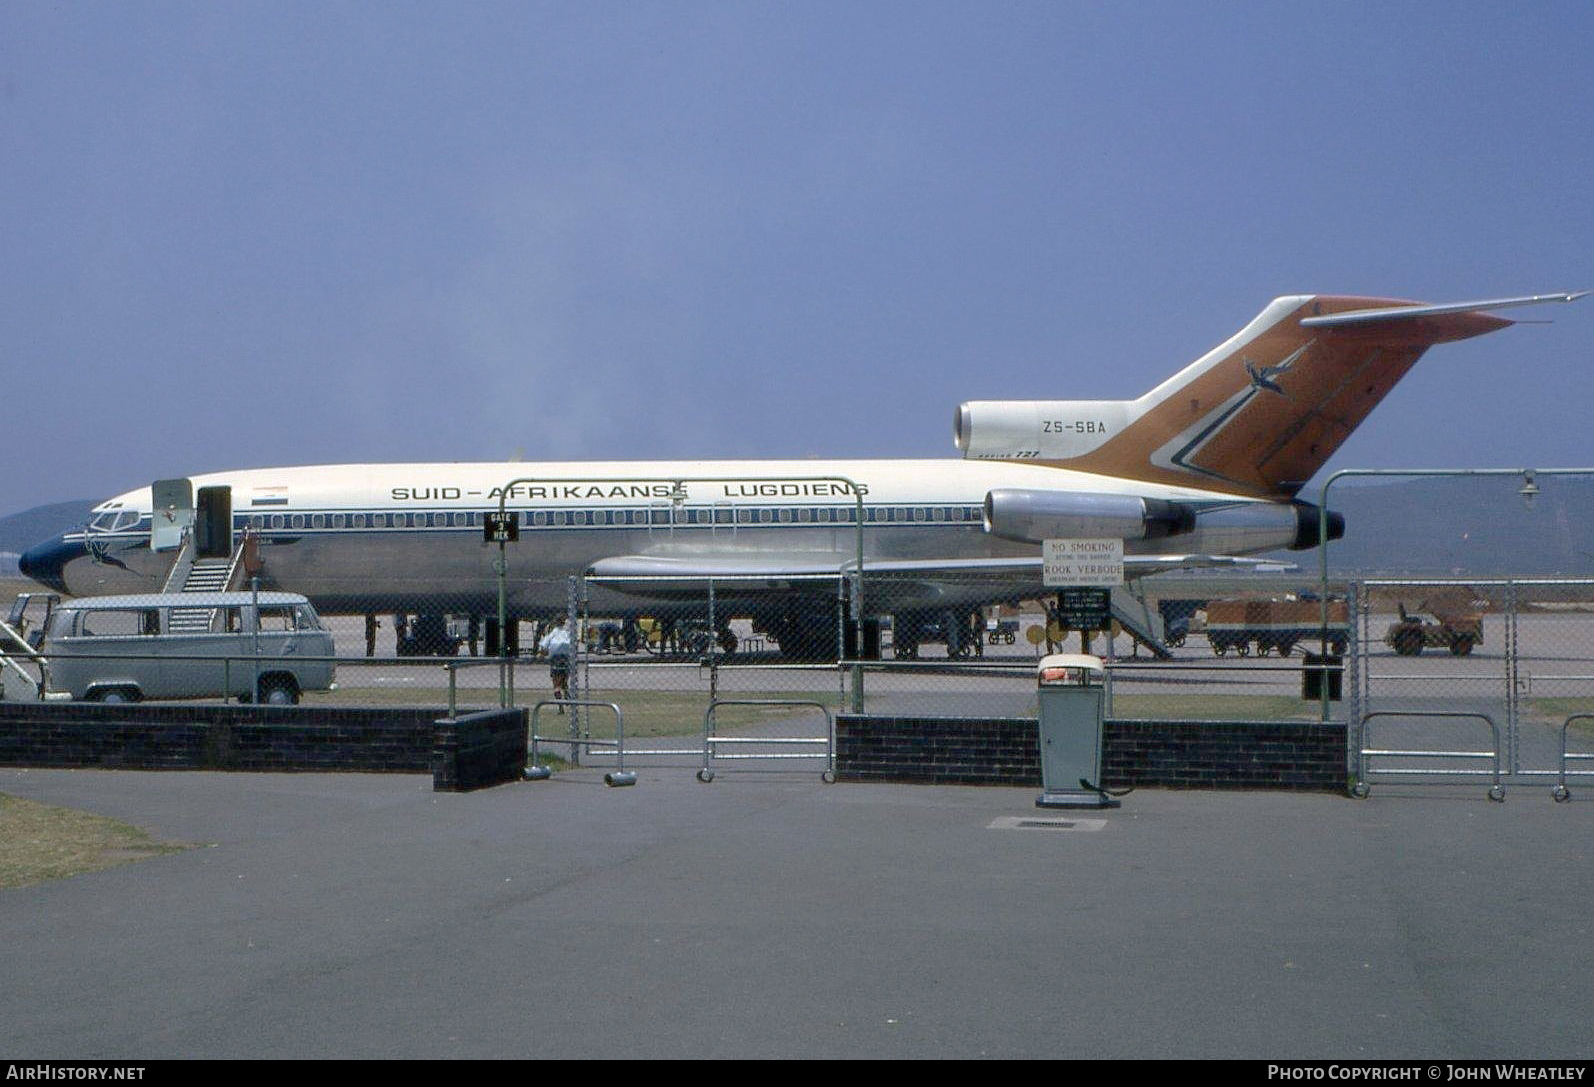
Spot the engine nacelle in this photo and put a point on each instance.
(1036, 429)
(1239, 528)
(1034, 516)
(1252, 527)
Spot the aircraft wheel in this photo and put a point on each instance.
(1561, 794)
(1360, 790)
(1497, 793)
(705, 775)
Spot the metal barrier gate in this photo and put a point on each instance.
(1366, 754)
(1519, 652)
(713, 740)
(537, 771)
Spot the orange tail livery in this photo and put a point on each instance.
(1256, 416)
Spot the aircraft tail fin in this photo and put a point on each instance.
(1257, 415)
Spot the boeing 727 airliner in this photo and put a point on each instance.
(1208, 463)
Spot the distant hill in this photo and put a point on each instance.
(20, 531)
(1477, 527)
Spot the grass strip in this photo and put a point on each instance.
(40, 842)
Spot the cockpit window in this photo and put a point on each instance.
(114, 520)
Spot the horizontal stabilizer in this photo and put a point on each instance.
(1395, 313)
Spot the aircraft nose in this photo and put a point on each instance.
(46, 562)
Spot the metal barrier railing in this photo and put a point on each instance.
(711, 740)
(234, 674)
(536, 771)
(1561, 793)
(1364, 753)
(454, 667)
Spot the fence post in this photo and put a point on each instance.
(1513, 678)
(573, 684)
(855, 583)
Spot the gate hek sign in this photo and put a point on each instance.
(1082, 562)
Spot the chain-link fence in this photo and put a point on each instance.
(1512, 657)
(666, 647)
(1461, 673)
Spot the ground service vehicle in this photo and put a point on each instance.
(1457, 632)
(1275, 626)
(265, 646)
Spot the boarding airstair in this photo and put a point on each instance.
(1143, 622)
(195, 575)
(24, 673)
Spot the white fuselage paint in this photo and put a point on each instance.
(375, 537)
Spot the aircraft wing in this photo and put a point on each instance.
(890, 584)
(671, 574)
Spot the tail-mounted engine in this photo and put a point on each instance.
(1036, 429)
(1224, 528)
(1033, 516)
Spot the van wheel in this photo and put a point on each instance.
(115, 695)
(278, 692)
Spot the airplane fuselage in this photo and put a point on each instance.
(375, 537)
(1206, 463)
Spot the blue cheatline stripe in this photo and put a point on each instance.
(605, 517)
(747, 517)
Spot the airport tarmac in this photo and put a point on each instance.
(775, 916)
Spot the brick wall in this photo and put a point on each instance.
(1005, 751)
(467, 752)
(478, 750)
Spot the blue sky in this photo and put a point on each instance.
(239, 235)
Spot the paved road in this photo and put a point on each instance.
(365, 916)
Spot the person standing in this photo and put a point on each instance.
(558, 645)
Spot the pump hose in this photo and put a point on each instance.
(1104, 793)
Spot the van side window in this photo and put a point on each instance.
(120, 623)
(231, 619)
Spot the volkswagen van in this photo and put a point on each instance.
(265, 646)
